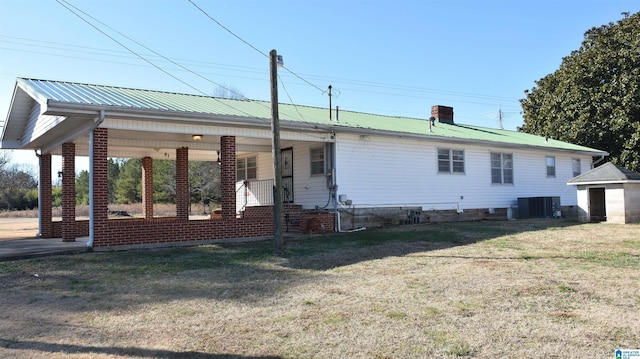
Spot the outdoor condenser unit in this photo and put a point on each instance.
(538, 207)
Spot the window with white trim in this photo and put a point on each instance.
(450, 160)
(246, 168)
(502, 168)
(575, 163)
(551, 166)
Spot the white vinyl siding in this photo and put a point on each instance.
(384, 171)
(309, 191)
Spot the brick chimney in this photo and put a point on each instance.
(444, 114)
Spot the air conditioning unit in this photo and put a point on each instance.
(538, 207)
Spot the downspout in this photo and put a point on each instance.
(39, 194)
(593, 165)
(334, 182)
(91, 175)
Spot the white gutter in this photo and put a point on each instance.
(40, 194)
(593, 165)
(91, 176)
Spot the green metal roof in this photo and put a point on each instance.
(118, 97)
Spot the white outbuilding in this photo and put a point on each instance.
(608, 193)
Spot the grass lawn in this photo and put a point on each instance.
(517, 289)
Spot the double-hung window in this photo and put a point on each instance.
(450, 160)
(551, 166)
(317, 161)
(246, 168)
(501, 168)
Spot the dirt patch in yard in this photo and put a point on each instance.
(18, 228)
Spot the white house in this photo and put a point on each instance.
(370, 169)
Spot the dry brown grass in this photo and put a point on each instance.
(521, 289)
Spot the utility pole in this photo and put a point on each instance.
(275, 151)
(330, 87)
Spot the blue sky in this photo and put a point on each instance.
(388, 57)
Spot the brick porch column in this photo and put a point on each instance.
(68, 192)
(182, 183)
(100, 183)
(45, 197)
(147, 187)
(228, 176)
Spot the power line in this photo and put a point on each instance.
(250, 45)
(227, 29)
(245, 70)
(64, 3)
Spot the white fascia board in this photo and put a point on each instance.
(601, 182)
(462, 141)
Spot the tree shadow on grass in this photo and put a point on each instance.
(240, 272)
(117, 351)
(343, 249)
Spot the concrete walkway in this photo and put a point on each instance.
(37, 247)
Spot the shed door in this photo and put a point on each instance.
(597, 208)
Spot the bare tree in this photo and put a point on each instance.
(230, 92)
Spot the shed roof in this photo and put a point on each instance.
(56, 97)
(607, 173)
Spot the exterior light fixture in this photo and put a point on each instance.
(196, 137)
(218, 161)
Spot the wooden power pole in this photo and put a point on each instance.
(275, 150)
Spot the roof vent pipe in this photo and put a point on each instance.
(432, 122)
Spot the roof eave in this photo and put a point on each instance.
(602, 182)
(360, 130)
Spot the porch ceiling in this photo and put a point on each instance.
(163, 145)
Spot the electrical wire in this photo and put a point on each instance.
(251, 46)
(245, 70)
(290, 100)
(227, 29)
(64, 3)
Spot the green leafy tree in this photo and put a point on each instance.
(164, 181)
(113, 172)
(56, 196)
(128, 186)
(15, 184)
(593, 99)
(82, 188)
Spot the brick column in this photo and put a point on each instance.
(100, 178)
(228, 176)
(147, 187)
(182, 183)
(68, 192)
(45, 199)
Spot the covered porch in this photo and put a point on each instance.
(75, 120)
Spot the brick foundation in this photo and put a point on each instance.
(174, 230)
(319, 222)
